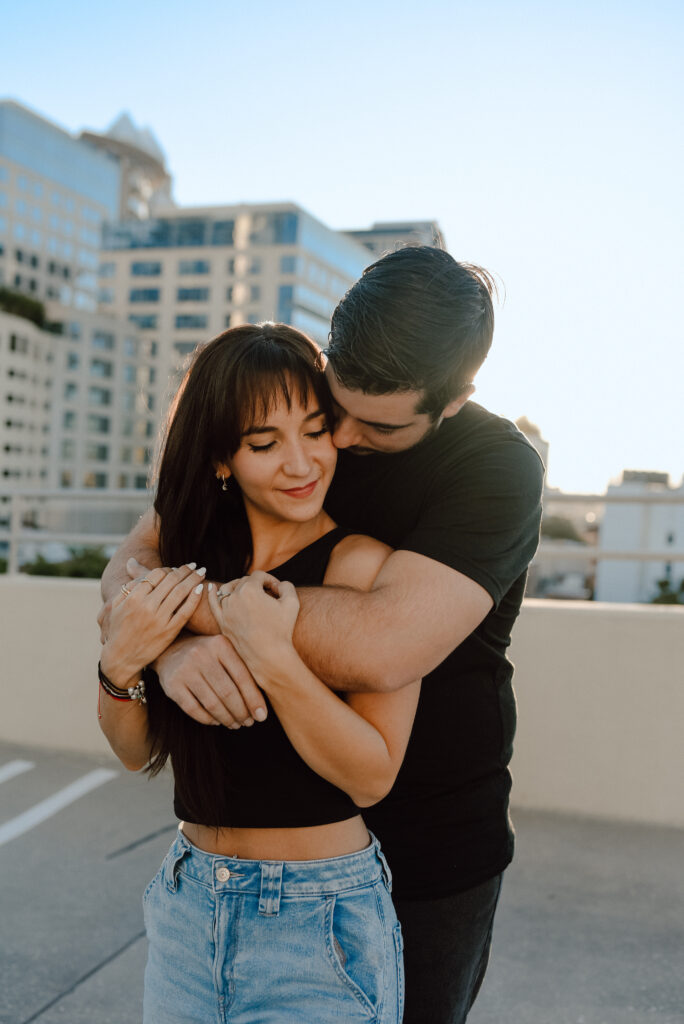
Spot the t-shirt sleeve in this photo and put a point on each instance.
(483, 518)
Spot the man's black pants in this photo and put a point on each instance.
(446, 951)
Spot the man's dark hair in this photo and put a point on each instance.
(416, 320)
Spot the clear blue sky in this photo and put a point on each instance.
(546, 139)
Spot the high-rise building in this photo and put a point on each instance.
(385, 237)
(183, 278)
(145, 182)
(55, 192)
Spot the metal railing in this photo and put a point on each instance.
(25, 514)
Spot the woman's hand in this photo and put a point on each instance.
(145, 617)
(258, 614)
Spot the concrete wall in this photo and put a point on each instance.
(600, 692)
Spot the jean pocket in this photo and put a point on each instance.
(356, 945)
(399, 954)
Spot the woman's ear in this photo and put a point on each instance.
(222, 473)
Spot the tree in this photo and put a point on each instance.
(666, 595)
(86, 563)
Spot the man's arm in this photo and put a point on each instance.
(418, 611)
(141, 543)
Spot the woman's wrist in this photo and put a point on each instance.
(121, 675)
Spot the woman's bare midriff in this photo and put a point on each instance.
(315, 842)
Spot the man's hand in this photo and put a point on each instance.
(209, 681)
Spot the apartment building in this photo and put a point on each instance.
(641, 525)
(387, 236)
(181, 279)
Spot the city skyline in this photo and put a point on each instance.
(544, 143)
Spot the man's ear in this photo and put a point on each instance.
(453, 407)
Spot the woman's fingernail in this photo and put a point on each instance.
(260, 714)
(248, 721)
(210, 586)
(202, 571)
(198, 588)
(191, 565)
(234, 726)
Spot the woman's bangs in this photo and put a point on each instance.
(261, 389)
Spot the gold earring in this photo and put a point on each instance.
(224, 485)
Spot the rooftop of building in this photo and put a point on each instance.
(591, 924)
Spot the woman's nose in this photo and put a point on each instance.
(297, 462)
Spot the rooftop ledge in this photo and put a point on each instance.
(600, 695)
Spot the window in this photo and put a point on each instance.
(143, 321)
(146, 268)
(141, 482)
(66, 478)
(288, 264)
(73, 361)
(100, 368)
(99, 452)
(254, 266)
(68, 449)
(192, 295)
(105, 296)
(227, 320)
(99, 396)
(194, 321)
(230, 265)
(70, 390)
(223, 232)
(143, 295)
(184, 348)
(98, 424)
(190, 232)
(194, 267)
(229, 293)
(274, 229)
(95, 480)
(130, 347)
(254, 293)
(103, 341)
(107, 269)
(129, 373)
(69, 419)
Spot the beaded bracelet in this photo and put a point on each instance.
(136, 692)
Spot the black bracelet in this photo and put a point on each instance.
(136, 692)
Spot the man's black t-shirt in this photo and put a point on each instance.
(468, 496)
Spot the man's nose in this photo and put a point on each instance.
(346, 432)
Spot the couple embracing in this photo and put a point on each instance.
(359, 525)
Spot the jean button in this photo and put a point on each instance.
(222, 874)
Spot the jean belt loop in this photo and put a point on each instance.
(386, 873)
(179, 850)
(271, 884)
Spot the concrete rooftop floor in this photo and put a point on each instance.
(590, 928)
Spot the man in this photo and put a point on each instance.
(456, 491)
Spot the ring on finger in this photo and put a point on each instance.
(125, 589)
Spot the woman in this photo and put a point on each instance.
(273, 903)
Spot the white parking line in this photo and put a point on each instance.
(47, 808)
(14, 768)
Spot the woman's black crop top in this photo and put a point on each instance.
(265, 783)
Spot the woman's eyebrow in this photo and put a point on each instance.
(266, 429)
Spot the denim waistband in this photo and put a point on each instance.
(271, 879)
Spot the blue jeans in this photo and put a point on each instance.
(235, 941)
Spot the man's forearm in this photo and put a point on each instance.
(416, 614)
(141, 543)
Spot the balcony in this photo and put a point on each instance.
(591, 925)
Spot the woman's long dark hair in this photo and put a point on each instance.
(232, 383)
